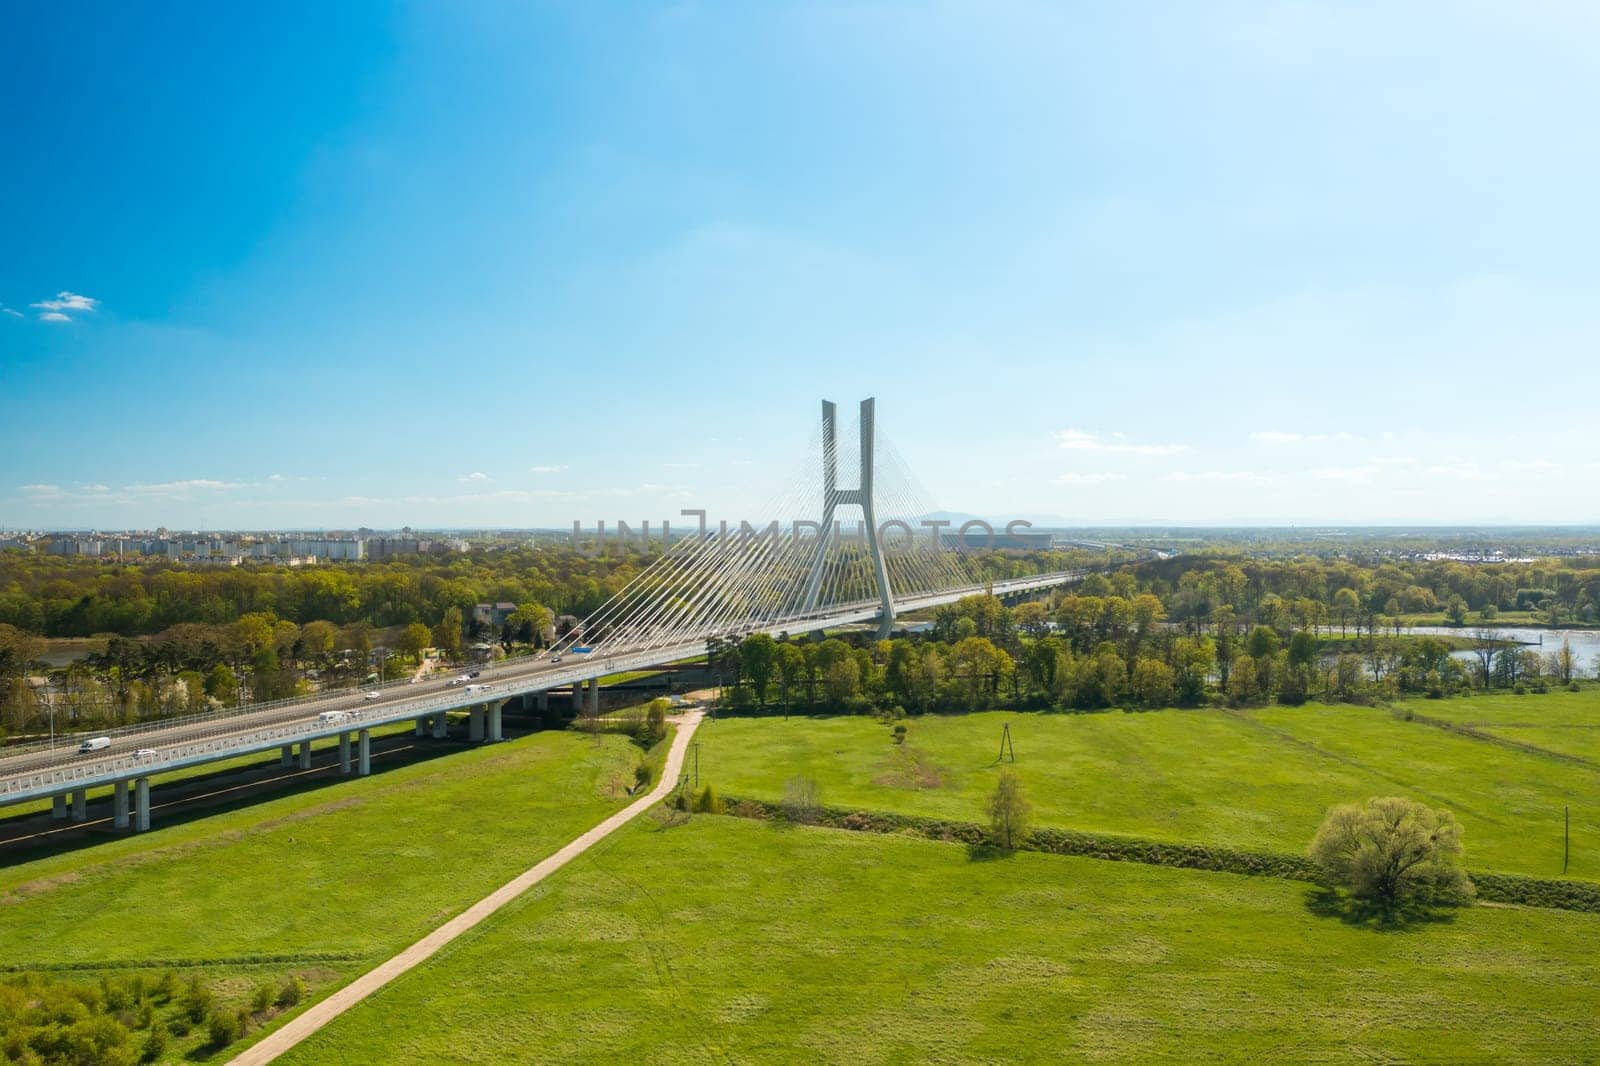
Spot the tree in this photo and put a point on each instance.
(655, 722)
(447, 634)
(1392, 850)
(758, 660)
(1153, 682)
(1456, 610)
(1010, 813)
(801, 802)
(316, 640)
(413, 641)
(1345, 603)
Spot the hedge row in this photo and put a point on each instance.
(302, 958)
(1499, 888)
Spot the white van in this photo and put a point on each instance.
(472, 690)
(94, 744)
(328, 717)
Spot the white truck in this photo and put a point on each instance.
(94, 744)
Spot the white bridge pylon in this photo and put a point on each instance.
(786, 570)
(861, 496)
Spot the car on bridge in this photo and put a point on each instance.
(372, 695)
(94, 744)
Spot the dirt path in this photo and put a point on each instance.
(320, 1014)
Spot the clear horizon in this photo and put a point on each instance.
(1241, 266)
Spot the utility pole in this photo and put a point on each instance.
(1566, 840)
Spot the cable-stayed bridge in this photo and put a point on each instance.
(869, 553)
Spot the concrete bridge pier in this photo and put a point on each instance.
(287, 758)
(58, 806)
(141, 805)
(80, 805)
(542, 701)
(475, 724)
(119, 805)
(422, 724)
(364, 759)
(441, 725)
(305, 755)
(344, 753)
(592, 701)
(495, 735)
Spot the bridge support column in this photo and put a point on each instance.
(542, 701)
(344, 753)
(119, 805)
(441, 725)
(141, 805)
(58, 806)
(593, 704)
(80, 805)
(287, 759)
(475, 724)
(495, 735)
(422, 726)
(305, 755)
(364, 744)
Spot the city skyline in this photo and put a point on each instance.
(1284, 266)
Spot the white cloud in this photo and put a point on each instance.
(680, 466)
(1463, 470)
(742, 462)
(191, 485)
(1275, 437)
(41, 490)
(1353, 474)
(476, 475)
(52, 310)
(1086, 479)
(275, 477)
(1213, 475)
(68, 301)
(547, 469)
(13, 312)
(1083, 440)
(1527, 466)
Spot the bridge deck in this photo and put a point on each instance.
(37, 772)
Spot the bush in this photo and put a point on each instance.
(262, 997)
(1574, 687)
(155, 1044)
(801, 800)
(197, 1001)
(1392, 850)
(167, 987)
(223, 1028)
(899, 734)
(708, 802)
(292, 992)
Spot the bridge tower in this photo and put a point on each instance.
(861, 496)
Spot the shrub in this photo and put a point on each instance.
(899, 734)
(197, 1000)
(801, 800)
(708, 802)
(167, 987)
(263, 996)
(656, 721)
(1010, 813)
(292, 992)
(155, 1044)
(1574, 687)
(1392, 850)
(223, 1028)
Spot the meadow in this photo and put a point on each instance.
(323, 882)
(1260, 779)
(727, 940)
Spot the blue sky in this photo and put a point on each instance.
(471, 264)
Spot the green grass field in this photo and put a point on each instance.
(1257, 779)
(725, 940)
(323, 882)
(1566, 722)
